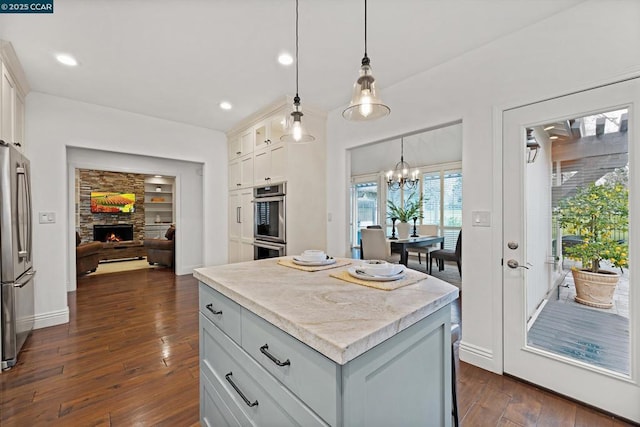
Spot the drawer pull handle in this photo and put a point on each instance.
(264, 351)
(210, 308)
(235, 387)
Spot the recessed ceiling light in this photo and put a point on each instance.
(225, 105)
(553, 137)
(285, 59)
(65, 59)
(157, 176)
(549, 127)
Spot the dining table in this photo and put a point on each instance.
(403, 245)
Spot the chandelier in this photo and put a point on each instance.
(399, 177)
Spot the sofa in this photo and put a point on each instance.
(87, 256)
(161, 251)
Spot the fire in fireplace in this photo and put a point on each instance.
(113, 232)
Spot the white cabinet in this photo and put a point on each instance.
(234, 150)
(270, 130)
(258, 158)
(240, 225)
(18, 130)
(241, 172)
(12, 93)
(8, 90)
(158, 200)
(270, 164)
(241, 144)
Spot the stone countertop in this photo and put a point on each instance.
(339, 319)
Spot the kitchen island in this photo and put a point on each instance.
(281, 346)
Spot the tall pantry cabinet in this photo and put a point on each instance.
(13, 89)
(258, 158)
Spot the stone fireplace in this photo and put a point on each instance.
(97, 180)
(113, 233)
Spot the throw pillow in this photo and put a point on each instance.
(170, 232)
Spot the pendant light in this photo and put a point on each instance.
(365, 104)
(296, 132)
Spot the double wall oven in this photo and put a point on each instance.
(269, 227)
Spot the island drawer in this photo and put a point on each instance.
(246, 389)
(220, 310)
(308, 374)
(213, 409)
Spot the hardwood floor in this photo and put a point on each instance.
(129, 356)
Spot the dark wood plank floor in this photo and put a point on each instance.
(129, 356)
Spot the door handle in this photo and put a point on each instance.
(238, 214)
(512, 263)
(28, 277)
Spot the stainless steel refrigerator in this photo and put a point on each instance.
(16, 265)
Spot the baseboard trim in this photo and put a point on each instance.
(478, 356)
(52, 318)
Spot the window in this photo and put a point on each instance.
(441, 188)
(365, 208)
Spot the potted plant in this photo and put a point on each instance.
(594, 214)
(411, 209)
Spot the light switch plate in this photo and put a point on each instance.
(47, 217)
(481, 219)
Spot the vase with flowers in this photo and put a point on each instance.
(412, 208)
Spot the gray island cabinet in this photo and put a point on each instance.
(281, 347)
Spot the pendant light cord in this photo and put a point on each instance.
(297, 51)
(365, 28)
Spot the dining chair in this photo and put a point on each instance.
(375, 245)
(442, 255)
(425, 230)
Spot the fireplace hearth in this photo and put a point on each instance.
(113, 232)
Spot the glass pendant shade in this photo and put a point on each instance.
(365, 104)
(296, 132)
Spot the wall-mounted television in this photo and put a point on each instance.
(109, 202)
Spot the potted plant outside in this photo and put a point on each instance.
(594, 214)
(411, 209)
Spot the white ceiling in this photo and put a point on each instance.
(178, 59)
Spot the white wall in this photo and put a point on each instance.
(53, 124)
(591, 43)
(435, 146)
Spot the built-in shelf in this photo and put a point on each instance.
(158, 202)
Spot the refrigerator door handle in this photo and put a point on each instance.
(24, 236)
(27, 278)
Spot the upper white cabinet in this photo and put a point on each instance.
(270, 165)
(241, 144)
(13, 89)
(270, 130)
(241, 172)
